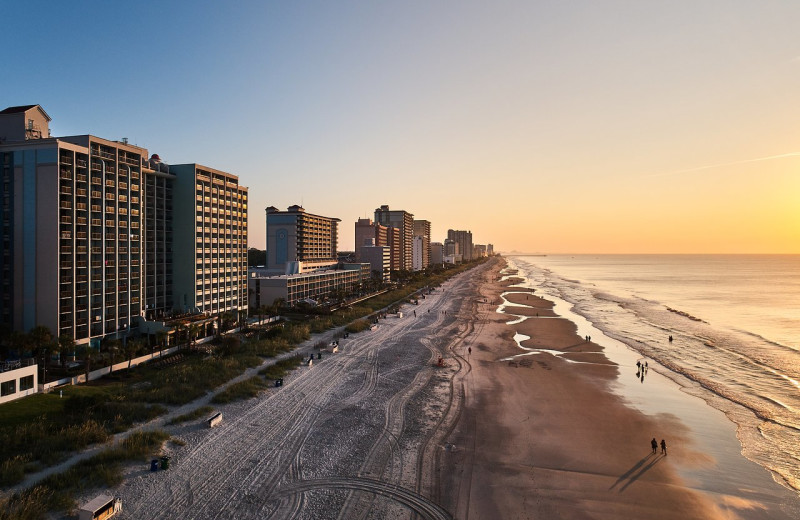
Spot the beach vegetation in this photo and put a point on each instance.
(281, 368)
(195, 414)
(357, 326)
(56, 492)
(242, 390)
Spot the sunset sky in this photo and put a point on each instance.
(541, 126)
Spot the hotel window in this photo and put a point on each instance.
(8, 387)
(25, 383)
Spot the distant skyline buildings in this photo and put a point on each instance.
(403, 221)
(422, 228)
(367, 230)
(456, 248)
(464, 241)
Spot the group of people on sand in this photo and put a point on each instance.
(641, 369)
(654, 445)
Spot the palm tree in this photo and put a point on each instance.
(226, 320)
(21, 342)
(5, 340)
(131, 347)
(180, 329)
(87, 354)
(112, 345)
(42, 342)
(277, 305)
(161, 336)
(66, 346)
(194, 330)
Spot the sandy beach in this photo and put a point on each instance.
(525, 419)
(543, 436)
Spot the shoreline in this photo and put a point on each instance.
(733, 365)
(555, 428)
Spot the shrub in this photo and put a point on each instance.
(241, 390)
(357, 326)
(12, 470)
(281, 368)
(191, 416)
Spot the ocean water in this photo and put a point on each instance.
(735, 323)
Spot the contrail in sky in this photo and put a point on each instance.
(745, 161)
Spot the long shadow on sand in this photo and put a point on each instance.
(638, 469)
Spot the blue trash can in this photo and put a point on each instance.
(154, 465)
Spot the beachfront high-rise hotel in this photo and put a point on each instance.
(92, 230)
(298, 241)
(403, 221)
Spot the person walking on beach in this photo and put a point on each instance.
(654, 445)
(663, 447)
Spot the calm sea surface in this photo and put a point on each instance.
(735, 320)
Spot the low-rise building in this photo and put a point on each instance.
(17, 380)
(318, 286)
(379, 259)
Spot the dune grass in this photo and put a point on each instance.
(241, 390)
(203, 411)
(56, 492)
